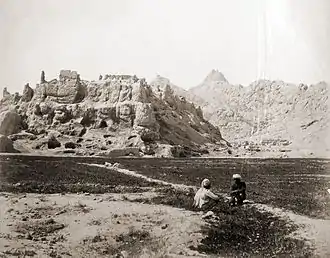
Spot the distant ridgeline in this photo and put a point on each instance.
(266, 115)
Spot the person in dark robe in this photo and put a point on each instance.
(238, 191)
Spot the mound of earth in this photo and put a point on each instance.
(117, 115)
(275, 117)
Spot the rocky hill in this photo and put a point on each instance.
(270, 117)
(116, 115)
(124, 115)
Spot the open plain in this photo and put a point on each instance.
(130, 207)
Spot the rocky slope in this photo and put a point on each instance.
(116, 115)
(266, 116)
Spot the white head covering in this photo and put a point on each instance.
(205, 183)
(198, 199)
(237, 176)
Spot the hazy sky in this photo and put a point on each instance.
(179, 39)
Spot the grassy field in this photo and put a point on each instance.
(298, 185)
(295, 184)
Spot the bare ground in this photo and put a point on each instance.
(80, 225)
(315, 231)
(142, 217)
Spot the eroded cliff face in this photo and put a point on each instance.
(116, 112)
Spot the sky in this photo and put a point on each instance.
(182, 40)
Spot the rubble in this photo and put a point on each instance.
(116, 105)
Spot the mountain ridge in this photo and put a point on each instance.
(268, 111)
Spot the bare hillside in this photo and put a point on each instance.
(266, 115)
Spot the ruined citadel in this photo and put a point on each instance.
(115, 115)
(120, 115)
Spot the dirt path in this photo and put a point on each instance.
(315, 231)
(128, 172)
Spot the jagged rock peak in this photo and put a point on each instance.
(160, 81)
(5, 92)
(42, 77)
(27, 93)
(215, 76)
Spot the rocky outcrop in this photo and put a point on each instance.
(42, 77)
(10, 123)
(71, 145)
(117, 112)
(6, 145)
(27, 93)
(53, 142)
(5, 93)
(160, 83)
(22, 136)
(67, 90)
(8, 99)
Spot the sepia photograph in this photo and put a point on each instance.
(164, 128)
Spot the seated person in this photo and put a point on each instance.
(238, 189)
(204, 199)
